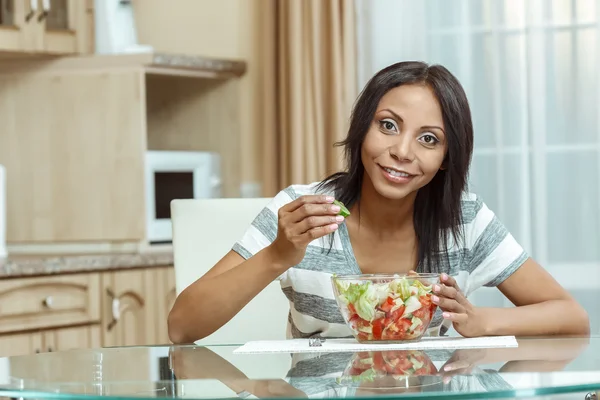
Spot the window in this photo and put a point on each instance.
(530, 70)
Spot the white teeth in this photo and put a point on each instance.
(396, 173)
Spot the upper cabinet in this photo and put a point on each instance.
(46, 26)
(12, 25)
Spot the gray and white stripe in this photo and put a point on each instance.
(488, 254)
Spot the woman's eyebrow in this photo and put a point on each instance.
(394, 114)
(433, 127)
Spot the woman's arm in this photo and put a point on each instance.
(543, 306)
(215, 298)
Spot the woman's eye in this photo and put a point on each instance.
(388, 125)
(429, 139)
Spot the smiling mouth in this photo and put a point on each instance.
(395, 173)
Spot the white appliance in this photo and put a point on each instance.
(174, 175)
(2, 212)
(114, 22)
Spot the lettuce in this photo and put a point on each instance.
(412, 304)
(423, 290)
(401, 287)
(367, 301)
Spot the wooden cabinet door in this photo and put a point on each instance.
(127, 313)
(164, 297)
(61, 27)
(13, 25)
(80, 337)
(78, 141)
(21, 344)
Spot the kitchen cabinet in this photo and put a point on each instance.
(52, 27)
(163, 296)
(44, 302)
(73, 173)
(127, 308)
(71, 338)
(19, 344)
(136, 306)
(88, 310)
(75, 131)
(12, 26)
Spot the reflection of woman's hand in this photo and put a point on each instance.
(532, 355)
(462, 362)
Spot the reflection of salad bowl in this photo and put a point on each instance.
(390, 369)
(386, 308)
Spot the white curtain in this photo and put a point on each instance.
(531, 72)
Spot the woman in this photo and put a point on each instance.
(408, 152)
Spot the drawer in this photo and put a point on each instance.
(42, 302)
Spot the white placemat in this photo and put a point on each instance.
(350, 345)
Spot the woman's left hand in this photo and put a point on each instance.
(466, 319)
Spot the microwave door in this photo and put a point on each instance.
(168, 186)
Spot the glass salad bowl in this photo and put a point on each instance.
(386, 308)
(390, 369)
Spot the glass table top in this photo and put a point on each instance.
(554, 368)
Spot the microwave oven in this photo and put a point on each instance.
(171, 175)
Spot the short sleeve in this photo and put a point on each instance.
(493, 253)
(263, 229)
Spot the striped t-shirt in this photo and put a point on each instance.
(488, 255)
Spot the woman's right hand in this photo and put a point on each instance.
(300, 222)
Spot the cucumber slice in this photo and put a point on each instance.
(343, 210)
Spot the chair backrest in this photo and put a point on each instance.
(204, 230)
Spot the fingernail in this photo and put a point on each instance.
(335, 208)
(444, 277)
(446, 315)
(339, 218)
(329, 199)
(447, 368)
(333, 227)
(435, 299)
(436, 288)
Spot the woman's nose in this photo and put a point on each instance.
(402, 150)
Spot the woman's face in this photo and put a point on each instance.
(406, 142)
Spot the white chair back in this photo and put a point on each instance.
(204, 230)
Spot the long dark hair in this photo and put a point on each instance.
(437, 211)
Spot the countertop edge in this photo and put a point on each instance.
(32, 266)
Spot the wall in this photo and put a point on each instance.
(219, 29)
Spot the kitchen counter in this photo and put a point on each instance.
(35, 265)
(154, 63)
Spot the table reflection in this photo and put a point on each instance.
(216, 372)
(387, 372)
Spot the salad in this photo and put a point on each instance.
(371, 366)
(397, 310)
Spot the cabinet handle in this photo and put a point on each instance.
(33, 9)
(45, 10)
(115, 309)
(50, 349)
(48, 301)
(37, 351)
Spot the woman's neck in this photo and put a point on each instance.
(383, 215)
